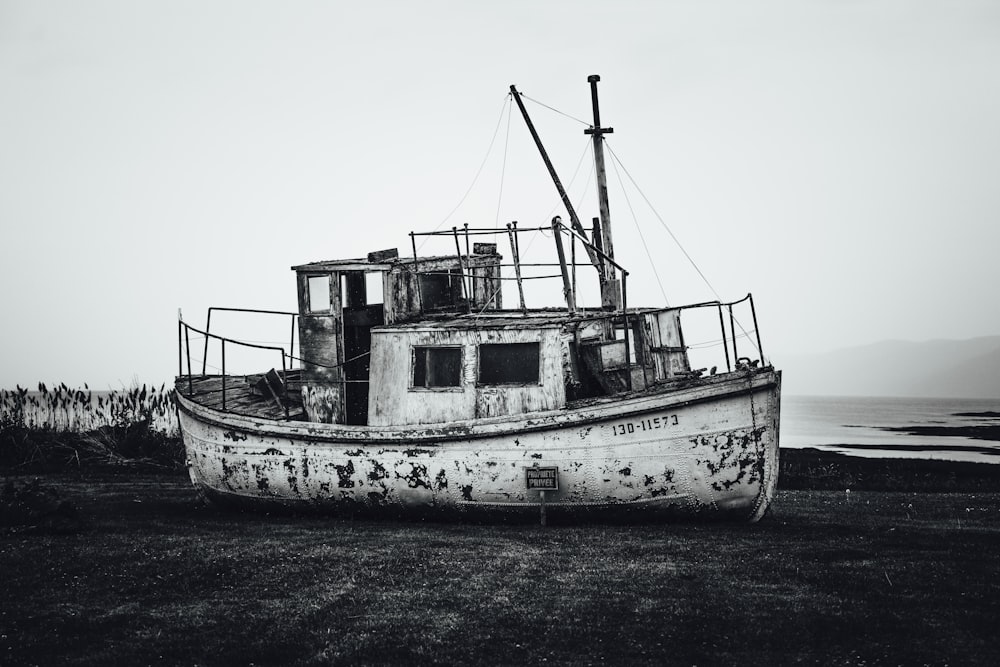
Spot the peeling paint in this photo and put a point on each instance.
(345, 473)
(723, 466)
(378, 472)
(419, 452)
(416, 477)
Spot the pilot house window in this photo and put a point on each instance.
(440, 288)
(319, 294)
(509, 363)
(437, 367)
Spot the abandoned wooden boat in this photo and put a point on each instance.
(413, 391)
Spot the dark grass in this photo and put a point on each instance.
(141, 572)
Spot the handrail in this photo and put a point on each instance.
(732, 324)
(208, 325)
(185, 329)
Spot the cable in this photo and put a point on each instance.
(562, 113)
(635, 221)
(479, 171)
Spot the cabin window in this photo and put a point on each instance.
(509, 363)
(373, 284)
(440, 288)
(437, 367)
(319, 294)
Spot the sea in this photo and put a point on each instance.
(887, 427)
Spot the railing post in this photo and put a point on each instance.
(517, 262)
(461, 267)
(187, 347)
(284, 386)
(628, 354)
(208, 328)
(725, 345)
(223, 374)
(416, 272)
(732, 330)
(180, 346)
(753, 312)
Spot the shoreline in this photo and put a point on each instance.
(811, 468)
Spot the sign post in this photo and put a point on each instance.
(542, 479)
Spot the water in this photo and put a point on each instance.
(857, 426)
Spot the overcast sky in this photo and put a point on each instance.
(839, 159)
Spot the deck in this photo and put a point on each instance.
(242, 395)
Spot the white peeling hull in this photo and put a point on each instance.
(709, 450)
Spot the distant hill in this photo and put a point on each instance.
(937, 368)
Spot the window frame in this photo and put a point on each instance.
(328, 277)
(450, 387)
(537, 382)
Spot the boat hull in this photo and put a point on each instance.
(709, 450)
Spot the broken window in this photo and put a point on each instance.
(440, 288)
(508, 363)
(437, 367)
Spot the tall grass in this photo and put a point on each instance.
(61, 425)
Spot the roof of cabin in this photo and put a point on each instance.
(364, 264)
(502, 319)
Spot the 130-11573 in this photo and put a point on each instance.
(648, 424)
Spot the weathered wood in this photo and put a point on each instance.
(393, 399)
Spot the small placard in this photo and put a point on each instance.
(542, 478)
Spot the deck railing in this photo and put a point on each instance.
(184, 331)
(731, 331)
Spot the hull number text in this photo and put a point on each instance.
(648, 424)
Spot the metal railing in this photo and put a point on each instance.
(724, 308)
(184, 331)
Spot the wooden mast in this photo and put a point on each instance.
(610, 286)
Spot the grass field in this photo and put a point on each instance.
(128, 567)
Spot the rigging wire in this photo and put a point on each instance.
(572, 180)
(506, 104)
(561, 113)
(635, 221)
(662, 222)
(676, 240)
(503, 166)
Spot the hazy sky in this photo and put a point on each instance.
(839, 159)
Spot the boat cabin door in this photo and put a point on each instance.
(359, 289)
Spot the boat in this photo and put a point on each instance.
(414, 392)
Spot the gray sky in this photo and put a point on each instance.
(839, 159)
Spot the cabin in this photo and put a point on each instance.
(389, 341)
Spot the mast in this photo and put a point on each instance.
(610, 290)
